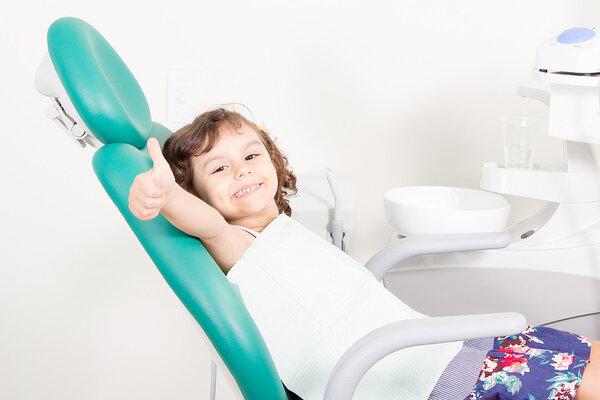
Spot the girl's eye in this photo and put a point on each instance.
(219, 169)
(251, 156)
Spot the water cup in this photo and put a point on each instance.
(519, 136)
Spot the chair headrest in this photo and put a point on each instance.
(101, 88)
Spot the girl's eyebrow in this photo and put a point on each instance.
(221, 155)
(251, 143)
(211, 159)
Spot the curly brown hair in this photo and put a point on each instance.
(200, 136)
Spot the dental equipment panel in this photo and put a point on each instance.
(560, 243)
(570, 62)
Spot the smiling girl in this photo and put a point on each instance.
(224, 173)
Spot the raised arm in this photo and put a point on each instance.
(155, 191)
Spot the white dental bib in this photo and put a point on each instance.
(311, 302)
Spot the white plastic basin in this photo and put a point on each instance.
(422, 210)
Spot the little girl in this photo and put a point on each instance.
(223, 180)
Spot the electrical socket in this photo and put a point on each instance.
(183, 94)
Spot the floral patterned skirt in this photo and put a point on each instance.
(539, 363)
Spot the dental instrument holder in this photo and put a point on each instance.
(337, 233)
(318, 203)
(570, 62)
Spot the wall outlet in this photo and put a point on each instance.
(183, 94)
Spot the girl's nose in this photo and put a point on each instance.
(243, 170)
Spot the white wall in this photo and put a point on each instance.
(388, 93)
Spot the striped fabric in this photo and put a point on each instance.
(460, 375)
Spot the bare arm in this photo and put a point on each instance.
(193, 216)
(224, 243)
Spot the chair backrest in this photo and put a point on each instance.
(105, 100)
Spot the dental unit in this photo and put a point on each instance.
(556, 247)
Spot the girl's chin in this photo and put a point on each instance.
(241, 210)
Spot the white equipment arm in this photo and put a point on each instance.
(412, 246)
(414, 332)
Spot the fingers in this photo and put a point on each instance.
(147, 211)
(146, 198)
(145, 185)
(150, 190)
(145, 208)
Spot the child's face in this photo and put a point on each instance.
(236, 176)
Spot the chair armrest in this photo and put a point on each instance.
(383, 341)
(412, 246)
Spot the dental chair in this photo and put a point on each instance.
(98, 102)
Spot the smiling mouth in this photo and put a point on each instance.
(246, 190)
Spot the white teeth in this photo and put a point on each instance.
(244, 191)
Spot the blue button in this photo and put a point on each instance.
(576, 35)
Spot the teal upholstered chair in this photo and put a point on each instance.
(98, 102)
(108, 109)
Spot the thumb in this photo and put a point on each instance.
(161, 168)
(155, 152)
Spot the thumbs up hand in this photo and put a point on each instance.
(151, 190)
